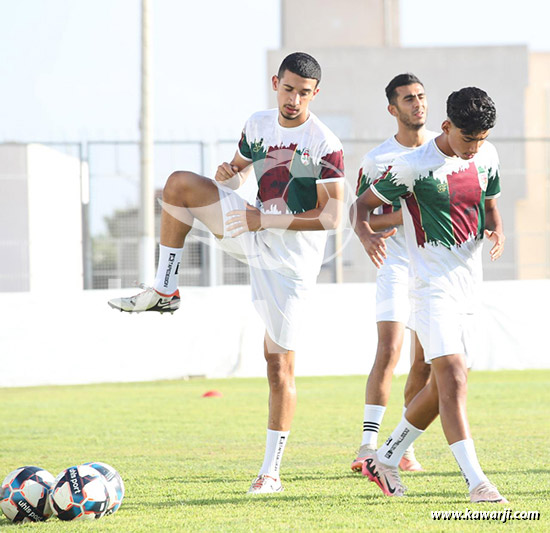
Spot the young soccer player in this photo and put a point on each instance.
(449, 188)
(298, 163)
(407, 102)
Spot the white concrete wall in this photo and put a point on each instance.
(40, 219)
(74, 337)
(55, 219)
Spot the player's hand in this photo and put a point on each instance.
(226, 172)
(241, 221)
(498, 246)
(375, 246)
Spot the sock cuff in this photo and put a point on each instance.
(413, 427)
(170, 249)
(467, 443)
(374, 410)
(277, 432)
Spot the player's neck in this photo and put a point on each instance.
(287, 123)
(411, 138)
(442, 143)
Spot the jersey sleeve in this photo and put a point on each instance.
(244, 147)
(332, 166)
(491, 164)
(493, 183)
(368, 173)
(395, 183)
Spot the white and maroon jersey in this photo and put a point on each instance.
(289, 163)
(443, 201)
(373, 166)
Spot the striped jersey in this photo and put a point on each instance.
(443, 201)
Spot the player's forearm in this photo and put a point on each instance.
(493, 220)
(234, 182)
(359, 216)
(234, 174)
(385, 221)
(318, 219)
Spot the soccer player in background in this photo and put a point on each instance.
(298, 163)
(407, 102)
(449, 187)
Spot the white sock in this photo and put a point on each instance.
(166, 281)
(274, 449)
(466, 457)
(372, 419)
(410, 449)
(403, 436)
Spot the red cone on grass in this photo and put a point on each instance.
(212, 394)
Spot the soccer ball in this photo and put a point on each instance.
(114, 483)
(79, 493)
(25, 494)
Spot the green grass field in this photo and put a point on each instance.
(187, 461)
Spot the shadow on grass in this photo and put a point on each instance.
(5, 523)
(285, 478)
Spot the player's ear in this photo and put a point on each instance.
(274, 82)
(446, 126)
(392, 110)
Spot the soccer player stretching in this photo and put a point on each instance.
(298, 163)
(407, 102)
(449, 188)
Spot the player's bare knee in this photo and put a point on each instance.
(178, 184)
(280, 373)
(388, 351)
(454, 384)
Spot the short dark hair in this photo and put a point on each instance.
(302, 64)
(471, 110)
(400, 80)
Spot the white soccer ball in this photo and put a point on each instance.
(79, 493)
(25, 494)
(114, 483)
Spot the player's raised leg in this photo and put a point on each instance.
(186, 196)
(282, 404)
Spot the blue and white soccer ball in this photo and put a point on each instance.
(25, 494)
(114, 483)
(79, 493)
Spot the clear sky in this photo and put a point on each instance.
(70, 69)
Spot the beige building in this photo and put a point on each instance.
(357, 45)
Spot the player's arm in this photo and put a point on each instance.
(359, 215)
(235, 173)
(386, 220)
(326, 215)
(369, 173)
(493, 228)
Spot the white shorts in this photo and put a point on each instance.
(446, 333)
(280, 300)
(392, 291)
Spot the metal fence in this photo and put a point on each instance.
(110, 198)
